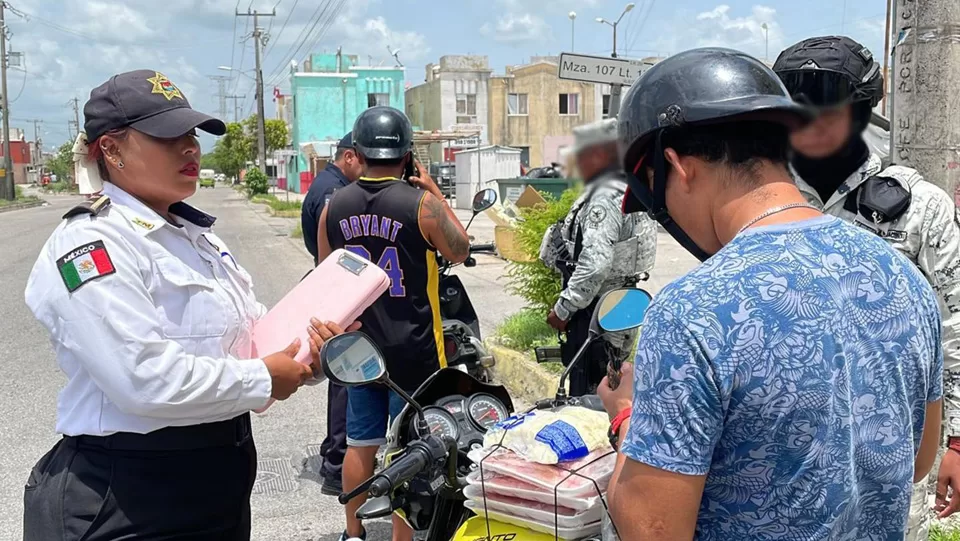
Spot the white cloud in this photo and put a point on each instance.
(517, 28)
(722, 27)
(106, 18)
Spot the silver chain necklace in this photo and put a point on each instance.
(775, 210)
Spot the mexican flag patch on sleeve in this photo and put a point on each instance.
(85, 263)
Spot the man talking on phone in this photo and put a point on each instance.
(399, 221)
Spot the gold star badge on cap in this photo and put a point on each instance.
(162, 85)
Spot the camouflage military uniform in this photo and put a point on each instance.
(616, 249)
(928, 233)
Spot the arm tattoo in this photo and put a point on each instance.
(459, 244)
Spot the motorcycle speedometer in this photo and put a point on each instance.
(441, 423)
(486, 410)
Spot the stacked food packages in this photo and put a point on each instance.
(545, 470)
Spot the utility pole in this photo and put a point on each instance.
(926, 105)
(76, 114)
(8, 192)
(236, 106)
(37, 143)
(221, 93)
(259, 40)
(615, 89)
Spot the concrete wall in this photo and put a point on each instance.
(423, 106)
(543, 89)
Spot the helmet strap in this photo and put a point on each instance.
(659, 210)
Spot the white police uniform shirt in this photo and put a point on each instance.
(157, 333)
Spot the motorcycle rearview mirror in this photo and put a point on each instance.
(618, 310)
(621, 310)
(352, 359)
(483, 200)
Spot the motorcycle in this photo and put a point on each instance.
(461, 326)
(446, 418)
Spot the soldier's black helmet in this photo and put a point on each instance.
(829, 71)
(382, 133)
(693, 88)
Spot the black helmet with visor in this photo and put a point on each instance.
(830, 71)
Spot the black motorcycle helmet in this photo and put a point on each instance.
(696, 87)
(382, 133)
(830, 71)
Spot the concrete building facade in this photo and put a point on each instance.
(328, 92)
(453, 97)
(534, 111)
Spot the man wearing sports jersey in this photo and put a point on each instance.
(400, 225)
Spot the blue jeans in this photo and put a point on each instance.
(369, 409)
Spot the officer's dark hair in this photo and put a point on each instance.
(340, 152)
(741, 145)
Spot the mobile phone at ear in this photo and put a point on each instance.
(409, 170)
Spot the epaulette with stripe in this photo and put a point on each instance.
(88, 207)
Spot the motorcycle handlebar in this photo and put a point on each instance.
(401, 470)
(482, 248)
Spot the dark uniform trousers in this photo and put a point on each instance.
(184, 483)
(590, 370)
(334, 445)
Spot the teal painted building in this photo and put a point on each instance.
(329, 92)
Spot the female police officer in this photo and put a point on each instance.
(150, 319)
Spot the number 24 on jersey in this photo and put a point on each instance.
(389, 262)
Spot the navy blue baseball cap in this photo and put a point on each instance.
(347, 141)
(147, 101)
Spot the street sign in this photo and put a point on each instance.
(600, 69)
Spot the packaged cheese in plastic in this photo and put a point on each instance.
(550, 437)
(496, 483)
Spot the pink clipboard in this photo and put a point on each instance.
(338, 290)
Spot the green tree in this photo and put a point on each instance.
(209, 161)
(275, 130)
(533, 281)
(256, 182)
(232, 150)
(62, 162)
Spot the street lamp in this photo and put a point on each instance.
(766, 41)
(601, 20)
(244, 73)
(573, 18)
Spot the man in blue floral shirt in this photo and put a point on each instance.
(789, 388)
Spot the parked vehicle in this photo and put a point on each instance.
(207, 179)
(445, 174)
(447, 417)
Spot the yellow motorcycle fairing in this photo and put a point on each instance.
(475, 529)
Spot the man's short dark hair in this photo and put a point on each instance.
(739, 145)
(340, 152)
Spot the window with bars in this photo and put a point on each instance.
(467, 104)
(374, 100)
(517, 104)
(570, 104)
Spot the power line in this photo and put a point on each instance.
(283, 27)
(301, 38)
(243, 53)
(317, 36)
(233, 49)
(644, 17)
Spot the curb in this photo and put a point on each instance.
(522, 377)
(283, 213)
(19, 206)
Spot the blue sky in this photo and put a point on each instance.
(71, 46)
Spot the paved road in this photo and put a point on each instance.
(287, 501)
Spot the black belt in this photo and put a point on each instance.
(233, 432)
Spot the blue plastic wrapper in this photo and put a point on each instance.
(564, 439)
